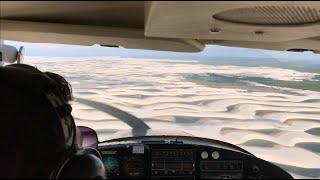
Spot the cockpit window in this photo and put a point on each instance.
(266, 102)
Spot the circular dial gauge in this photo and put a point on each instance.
(204, 155)
(215, 155)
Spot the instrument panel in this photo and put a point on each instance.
(171, 162)
(183, 161)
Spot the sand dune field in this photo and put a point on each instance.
(281, 126)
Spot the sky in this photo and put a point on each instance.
(62, 50)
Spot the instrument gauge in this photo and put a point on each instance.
(204, 155)
(111, 165)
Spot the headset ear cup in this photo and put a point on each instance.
(84, 165)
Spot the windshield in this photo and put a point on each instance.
(267, 102)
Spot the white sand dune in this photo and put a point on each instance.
(268, 124)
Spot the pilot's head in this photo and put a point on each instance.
(38, 132)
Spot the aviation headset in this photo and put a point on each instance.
(75, 162)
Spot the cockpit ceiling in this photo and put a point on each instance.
(170, 26)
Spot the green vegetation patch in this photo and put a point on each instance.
(304, 85)
(246, 82)
(314, 131)
(310, 146)
(259, 143)
(262, 131)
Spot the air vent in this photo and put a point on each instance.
(271, 15)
